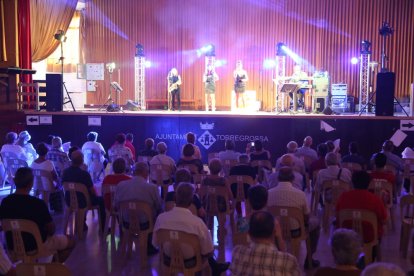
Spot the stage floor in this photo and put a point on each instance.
(189, 113)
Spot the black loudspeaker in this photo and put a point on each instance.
(132, 106)
(384, 104)
(54, 92)
(113, 108)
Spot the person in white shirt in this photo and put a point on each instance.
(41, 163)
(180, 218)
(10, 146)
(92, 143)
(163, 159)
(292, 147)
(286, 160)
(23, 141)
(333, 171)
(229, 153)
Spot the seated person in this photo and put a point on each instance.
(42, 164)
(23, 141)
(259, 153)
(332, 171)
(120, 150)
(354, 156)
(361, 198)
(322, 150)
(129, 143)
(75, 174)
(191, 139)
(229, 153)
(92, 144)
(261, 256)
(243, 168)
(163, 159)
(383, 269)
(149, 148)
(56, 154)
(21, 205)
(181, 219)
(306, 150)
(213, 179)
(346, 246)
(11, 147)
(287, 160)
(257, 197)
(380, 160)
(119, 169)
(184, 175)
(299, 164)
(188, 159)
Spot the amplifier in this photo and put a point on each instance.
(339, 89)
(320, 86)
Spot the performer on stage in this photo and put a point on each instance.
(174, 82)
(298, 77)
(209, 78)
(240, 80)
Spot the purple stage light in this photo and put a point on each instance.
(148, 64)
(220, 62)
(269, 63)
(354, 60)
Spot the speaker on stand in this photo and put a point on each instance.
(384, 103)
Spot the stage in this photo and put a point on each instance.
(213, 128)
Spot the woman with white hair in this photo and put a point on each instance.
(383, 269)
(23, 141)
(346, 246)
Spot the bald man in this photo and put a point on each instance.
(287, 160)
(306, 150)
(292, 148)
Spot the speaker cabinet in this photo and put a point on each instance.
(54, 92)
(384, 105)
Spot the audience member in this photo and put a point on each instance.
(49, 141)
(299, 165)
(392, 159)
(56, 154)
(322, 150)
(346, 245)
(306, 150)
(353, 156)
(332, 171)
(21, 205)
(184, 175)
(261, 256)
(379, 172)
(163, 159)
(149, 148)
(287, 160)
(382, 269)
(361, 198)
(119, 169)
(181, 219)
(191, 139)
(75, 174)
(23, 141)
(229, 153)
(119, 150)
(408, 153)
(243, 168)
(11, 147)
(214, 179)
(41, 163)
(129, 143)
(188, 159)
(138, 189)
(92, 144)
(259, 153)
(257, 197)
(284, 194)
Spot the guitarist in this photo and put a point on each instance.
(240, 80)
(174, 82)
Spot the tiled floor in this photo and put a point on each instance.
(96, 256)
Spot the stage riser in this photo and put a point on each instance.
(276, 132)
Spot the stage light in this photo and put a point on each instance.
(110, 66)
(148, 64)
(279, 49)
(139, 50)
(291, 54)
(209, 50)
(220, 62)
(269, 63)
(354, 60)
(365, 47)
(60, 35)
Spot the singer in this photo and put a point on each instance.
(209, 78)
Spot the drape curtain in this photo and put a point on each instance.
(25, 53)
(3, 54)
(48, 16)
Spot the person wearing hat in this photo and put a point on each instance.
(23, 141)
(11, 147)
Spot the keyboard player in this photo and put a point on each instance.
(300, 78)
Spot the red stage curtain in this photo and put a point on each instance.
(326, 33)
(25, 50)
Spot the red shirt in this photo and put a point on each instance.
(363, 199)
(113, 180)
(129, 145)
(386, 175)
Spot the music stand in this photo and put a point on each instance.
(287, 88)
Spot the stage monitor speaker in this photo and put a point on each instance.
(54, 92)
(132, 106)
(384, 105)
(113, 108)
